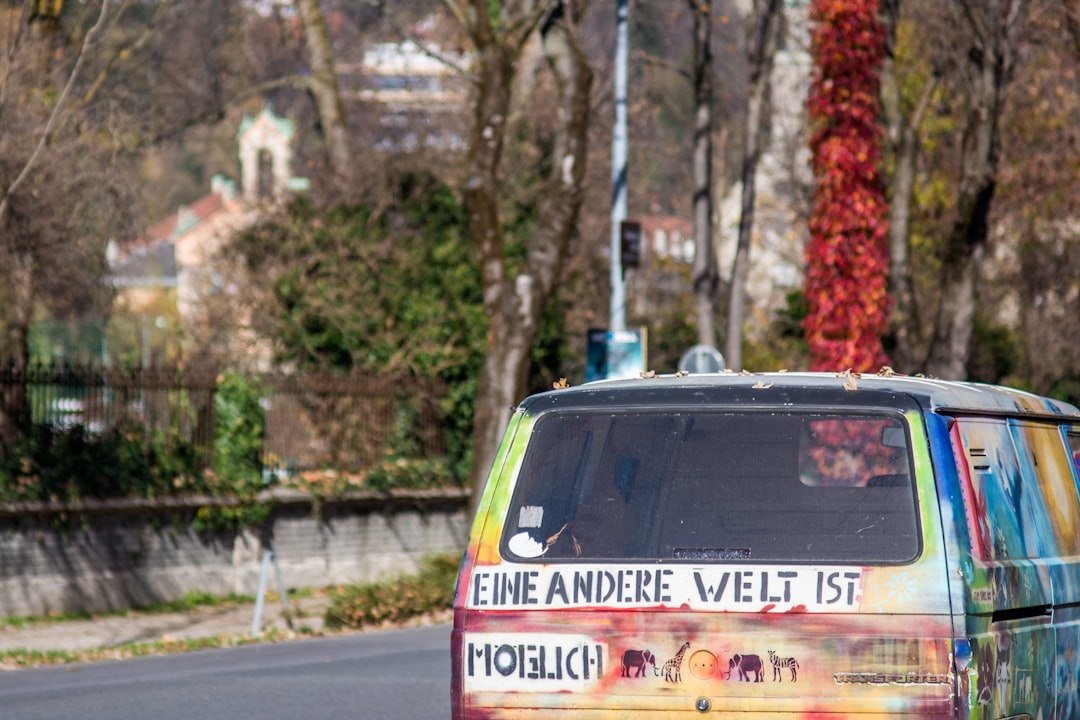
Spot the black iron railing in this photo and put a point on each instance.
(311, 421)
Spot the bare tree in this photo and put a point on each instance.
(323, 86)
(514, 302)
(1037, 264)
(1072, 23)
(903, 132)
(991, 27)
(85, 88)
(705, 274)
(87, 40)
(24, 238)
(765, 22)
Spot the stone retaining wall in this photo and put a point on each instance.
(115, 555)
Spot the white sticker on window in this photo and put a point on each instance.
(530, 516)
(524, 546)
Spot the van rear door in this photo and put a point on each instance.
(741, 560)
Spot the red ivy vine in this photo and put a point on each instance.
(847, 253)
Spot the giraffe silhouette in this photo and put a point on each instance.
(673, 667)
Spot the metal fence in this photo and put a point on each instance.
(311, 421)
(350, 422)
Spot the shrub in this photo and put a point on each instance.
(237, 470)
(406, 474)
(404, 597)
(56, 464)
(239, 436)
(61, 463)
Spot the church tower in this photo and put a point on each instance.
(265, 144)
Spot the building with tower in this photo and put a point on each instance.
(163, 278)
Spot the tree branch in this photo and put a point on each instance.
(123, 54)
(979, 28)
(443, 58)
(662, 63)
(12, 44)
(457, 12)
(296, 82)
(923, 103)
(765, 37)
(1072, 23)
(51, 123)
(521, 31)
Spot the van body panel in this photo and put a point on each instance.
(1066, 677)
(666, 660)
(1020, 482)
(912, 618)
(1065, 579)
(509, 451)
(581, 713)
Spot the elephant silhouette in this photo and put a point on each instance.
(747, 665)
(638, 660)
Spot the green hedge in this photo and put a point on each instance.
(57, 464)
(53, 463)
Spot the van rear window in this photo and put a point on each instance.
(715, 486)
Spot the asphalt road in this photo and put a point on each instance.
(385, 675)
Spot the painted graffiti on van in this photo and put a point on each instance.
(779, 589)
(780, 664)
(704, 664)
(501, 661)
(749, 667)
(673, 667)
(635, 662)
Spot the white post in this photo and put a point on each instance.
(260, 599)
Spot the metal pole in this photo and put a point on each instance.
(282, 592)
(260, 599)
(618, 168)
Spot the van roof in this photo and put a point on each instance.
(846, 388)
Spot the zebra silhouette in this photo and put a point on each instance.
(673, 667)
(779, 664)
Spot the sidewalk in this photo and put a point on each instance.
(138, 627)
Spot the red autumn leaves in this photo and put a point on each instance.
(847, 254)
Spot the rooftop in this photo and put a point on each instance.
(791, 388)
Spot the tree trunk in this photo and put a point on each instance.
(514, 305)
(766, 24)
(904, 322)
(18, 261)
(18, 300)
(1072, 23)
(903, 133)
(322, 84)
(991, 23)
(498, 386)
(705, 272)
(956, 314)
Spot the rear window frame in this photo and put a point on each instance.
(509, 526)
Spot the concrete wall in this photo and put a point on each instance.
(123, 554)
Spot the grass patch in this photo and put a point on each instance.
(196, 599)
(191, 601)
(21, 621)
(19, 658)
(393, 601)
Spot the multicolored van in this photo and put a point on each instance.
(780, 545)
